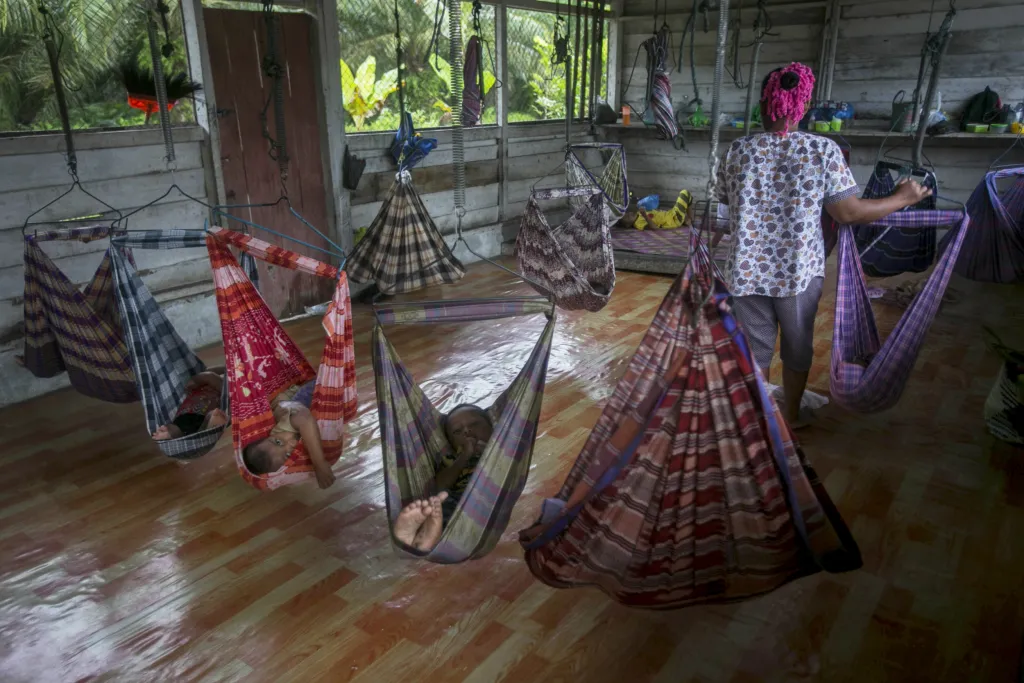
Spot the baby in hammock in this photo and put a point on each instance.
(293, 423)
(201, 408)
(468, 429)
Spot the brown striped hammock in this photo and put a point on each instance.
(573, 261)
(691, 488)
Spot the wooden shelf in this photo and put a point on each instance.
(862, 131)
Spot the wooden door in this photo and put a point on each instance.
(237, 44)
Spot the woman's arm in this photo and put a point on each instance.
(309, 431)
(857, 211)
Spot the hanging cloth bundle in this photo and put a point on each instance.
(691, 488)
(866, 375)
(887, 252)
(1004, 406)
(612, 182)
(72, 330)
(994, 249)
(403, 250)
(659, 85)
(161, 360)
(262, 361)
(473, 88)
(414, 444)
(574, 261)
(409, 147)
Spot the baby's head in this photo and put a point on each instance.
(467, 426)
(269, 454)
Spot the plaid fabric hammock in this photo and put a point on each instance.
(612, 181)
(1004, 406)
(691, 488)
(573, 261)
(72, 330)
(472, 95)
(910, 250)
(414, 443)
(161, 360)
(403, 250)
(262, 361)
(993, 251)
(866, 375)
(659, 85)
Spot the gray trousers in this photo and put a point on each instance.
(764, 317)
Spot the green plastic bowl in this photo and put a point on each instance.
(977, 127)
(997, 128)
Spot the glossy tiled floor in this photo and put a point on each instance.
(118, 565)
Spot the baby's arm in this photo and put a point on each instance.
(211, 377)
(309, 431)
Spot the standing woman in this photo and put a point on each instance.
(775, 185)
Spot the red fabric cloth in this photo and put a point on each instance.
(262, 361)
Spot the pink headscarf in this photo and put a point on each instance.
(787, 101)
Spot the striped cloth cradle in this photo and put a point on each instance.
(413, 439)
(612, 181)
(161, 360)
(262, 361)
(691, 488)
(866, 375)
(573, 261)
(75, 331)
(403, 250)
(993, 251)
(902, 249)
(1004, 406)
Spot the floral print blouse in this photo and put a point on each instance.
(775, 187)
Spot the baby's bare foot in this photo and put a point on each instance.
(430, 532)
(409, 521)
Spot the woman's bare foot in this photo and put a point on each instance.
(409, 521)
(430, 532)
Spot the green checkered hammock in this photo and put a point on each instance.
(75, 331)
(403, 250)
(691, 488)
(414, 443)
(161, 360)
(612, 180)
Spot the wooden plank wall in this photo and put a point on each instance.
(126, 169)
(798, 29)
(880, 45)
(533, 152)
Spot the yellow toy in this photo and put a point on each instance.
(676, 217)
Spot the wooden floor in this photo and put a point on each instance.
(119, 565)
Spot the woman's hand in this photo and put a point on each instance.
(911, 191)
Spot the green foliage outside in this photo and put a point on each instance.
(94, 36)
(98, 34)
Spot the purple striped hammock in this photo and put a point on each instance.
(993, 251)
(412, 432)
(868, 376)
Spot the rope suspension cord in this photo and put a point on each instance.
(571, 111)
(597, 58)
(935, 47)
(762, 28)
(160, 82)
(583, 56)
(716, 107)
(50, 31)
(275, 71)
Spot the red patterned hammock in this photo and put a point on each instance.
(691, 488)
(262, 361)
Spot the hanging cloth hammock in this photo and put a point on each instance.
(72, 330)
(994, 249)
(612, 182)
(899, 251)
(690, 489)
(574, 261)
(659, 95)
(162, 361)
(868, 376)
(403, 250)
(262, 361)
(413, 439)
(472, 93)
